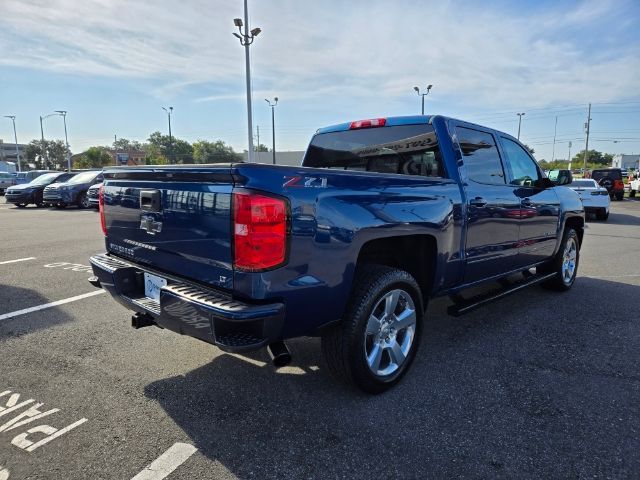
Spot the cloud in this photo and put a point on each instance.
(336, 52)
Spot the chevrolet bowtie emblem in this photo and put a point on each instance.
(149, 225)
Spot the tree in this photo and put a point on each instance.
(53, 150)
(214, 152)
(176, 149)
(531, 150)
(125, 144)
(261, 148)
(593, 156)
(94, 157)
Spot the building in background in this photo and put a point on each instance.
(128, 157)
(8, 152)
(622, 160)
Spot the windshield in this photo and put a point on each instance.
(584, 184)
(84, 177)
(404, 149)
(44, 179)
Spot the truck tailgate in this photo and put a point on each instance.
(175, 219)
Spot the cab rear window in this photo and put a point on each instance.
(402, 149)
(612, 174)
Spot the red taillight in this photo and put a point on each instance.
(372, 122)
(618, 184)
(259, 231)
(103, 224)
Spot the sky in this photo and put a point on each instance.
(112, 64)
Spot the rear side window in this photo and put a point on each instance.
(480, 156)
(615, 174)
(403, 149)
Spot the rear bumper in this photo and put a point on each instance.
(206, 314)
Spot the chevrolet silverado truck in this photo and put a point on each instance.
(382, 215)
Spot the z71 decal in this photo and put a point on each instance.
(304, 182)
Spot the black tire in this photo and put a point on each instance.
(602, 215)
(619, 196)
(560, 282)
(345, 346)
(40, 205)
(61, 205)
(632, 193)
(20, 205)
(83, 200)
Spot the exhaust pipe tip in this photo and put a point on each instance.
(279, 353)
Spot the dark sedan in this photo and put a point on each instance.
(73, 192)
(26, 193)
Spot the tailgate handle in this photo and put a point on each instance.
(150, 200)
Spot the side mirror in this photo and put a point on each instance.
(561, 177)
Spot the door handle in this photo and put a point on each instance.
(526, 202)
(477, 202)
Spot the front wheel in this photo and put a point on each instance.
(376, 342)
(565, 263)
(602, 215)
(83, 201)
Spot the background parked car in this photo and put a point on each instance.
(28, 176)
(72, 192)
(611, 179)
(92, 195)
(6, 180)
(23, 195)
(595, 198)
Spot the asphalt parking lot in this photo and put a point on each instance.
(539, 385)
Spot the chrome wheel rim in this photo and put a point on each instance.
(85, 202)
(390, 333)
(569, 260)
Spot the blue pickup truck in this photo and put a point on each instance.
(383, 215)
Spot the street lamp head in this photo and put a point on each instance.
(417, 90)
(10, 116)
(255, 32)
(276, 99)
(237, 22)
(171, 108)
(238, 36)
(61, 112)
(429, 87)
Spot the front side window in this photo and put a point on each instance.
(402, 149)
(480, 156)
(524, 169)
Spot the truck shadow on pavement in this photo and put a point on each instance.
(16, 298)
(540, 384)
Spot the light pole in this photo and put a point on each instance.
(44, 149)
(15, 139)
(520, 115)
(273, 125)
(423, 95)
(246, 39)
(569, 159)
(63, 113)
(169, 112)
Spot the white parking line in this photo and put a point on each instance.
(167, 462)
(18, 260)
(49, 305)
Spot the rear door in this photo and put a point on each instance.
(492, 207)
(539, 207)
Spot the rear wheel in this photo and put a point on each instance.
(632, 193)
(564, 264)
(602, 214)
(377, 340)
(619, 196)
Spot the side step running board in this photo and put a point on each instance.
(462, 305)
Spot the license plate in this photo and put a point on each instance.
(152, 285)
